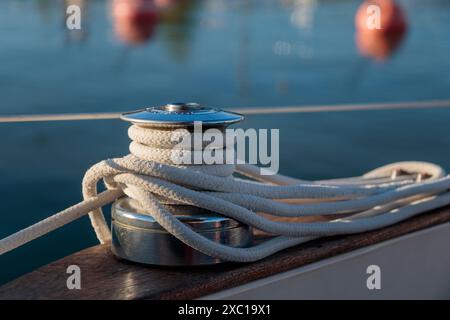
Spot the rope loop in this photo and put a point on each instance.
(379, 198)
(374, 200)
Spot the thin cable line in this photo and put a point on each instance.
(246, 111)
(60, 117)
(348, 107)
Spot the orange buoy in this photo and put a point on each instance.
(134, 20)
(380, 28)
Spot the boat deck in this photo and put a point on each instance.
(105, 277)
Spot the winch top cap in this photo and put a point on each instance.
(181, 114)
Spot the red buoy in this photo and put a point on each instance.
(134, 20)
(380, 28)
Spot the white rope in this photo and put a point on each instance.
(374, 200)
(245, 111)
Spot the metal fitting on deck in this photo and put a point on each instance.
(137, 237)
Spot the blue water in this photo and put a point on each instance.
(218, 53)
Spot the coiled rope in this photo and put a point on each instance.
(377, 199)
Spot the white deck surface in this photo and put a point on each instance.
(414, 266)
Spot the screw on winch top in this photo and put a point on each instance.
(181, 115)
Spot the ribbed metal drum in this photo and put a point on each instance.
(139, 238)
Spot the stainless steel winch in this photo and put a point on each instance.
(137, 237)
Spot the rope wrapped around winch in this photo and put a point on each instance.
(147, 175)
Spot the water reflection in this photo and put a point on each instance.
(289, 46)
(179, 25)
(375, 43)
(302, 15)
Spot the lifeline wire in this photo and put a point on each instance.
(244, 111)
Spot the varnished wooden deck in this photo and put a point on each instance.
(105, 277)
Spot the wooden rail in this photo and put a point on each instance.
(105, 277)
